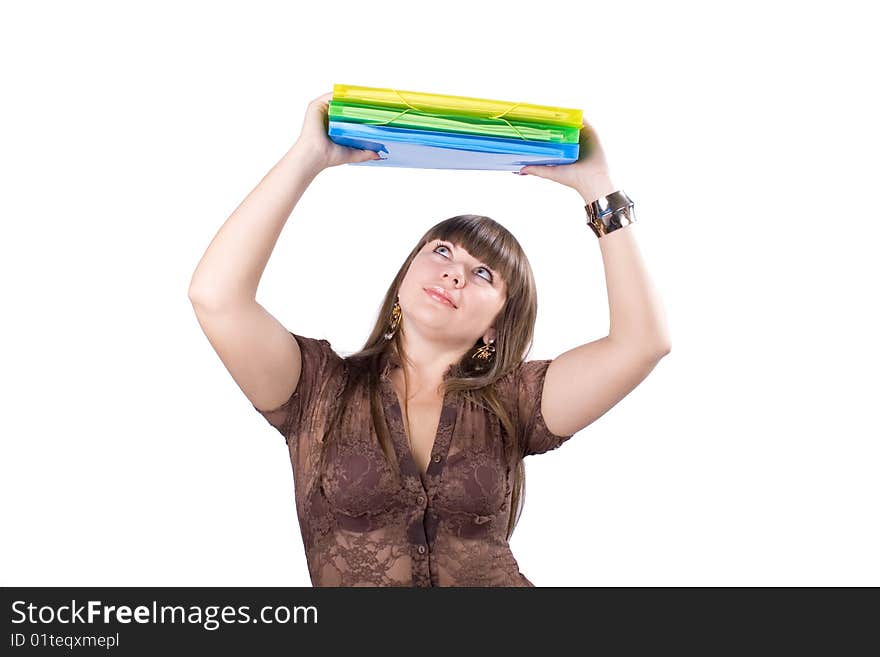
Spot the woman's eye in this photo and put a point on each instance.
(489, 278)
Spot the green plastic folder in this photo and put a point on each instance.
(417, 120)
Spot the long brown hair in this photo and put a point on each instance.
(491, 243)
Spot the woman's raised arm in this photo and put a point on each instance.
(257, 350)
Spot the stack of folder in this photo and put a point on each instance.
(434, 131)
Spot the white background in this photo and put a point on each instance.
(747, 137)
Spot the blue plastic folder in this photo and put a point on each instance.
(425, 149)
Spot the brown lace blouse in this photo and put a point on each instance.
(360, 527)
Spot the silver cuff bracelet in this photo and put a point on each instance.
(608, 213)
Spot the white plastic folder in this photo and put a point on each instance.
(426, 149)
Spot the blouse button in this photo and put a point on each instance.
(421, 549)
(437, 458)
(421, 499)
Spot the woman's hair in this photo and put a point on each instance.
(492, 244)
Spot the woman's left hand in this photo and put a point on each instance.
(589, 175)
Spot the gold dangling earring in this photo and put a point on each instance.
(395, 320)
(486, 352)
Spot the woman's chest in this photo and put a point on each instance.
(454, 458)
(421, 422)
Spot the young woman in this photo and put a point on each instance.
(408, 455)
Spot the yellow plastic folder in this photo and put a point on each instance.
(458, 105)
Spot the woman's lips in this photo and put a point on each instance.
(439, 297)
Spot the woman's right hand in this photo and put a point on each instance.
(315, 144)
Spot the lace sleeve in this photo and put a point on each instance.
(318, 360)
(529, 389)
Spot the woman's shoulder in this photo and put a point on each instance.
(321, 373)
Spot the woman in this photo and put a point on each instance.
(408, 455)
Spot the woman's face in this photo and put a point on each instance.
(479, 294)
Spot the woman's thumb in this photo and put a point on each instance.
(540, 170)
(370, 155)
